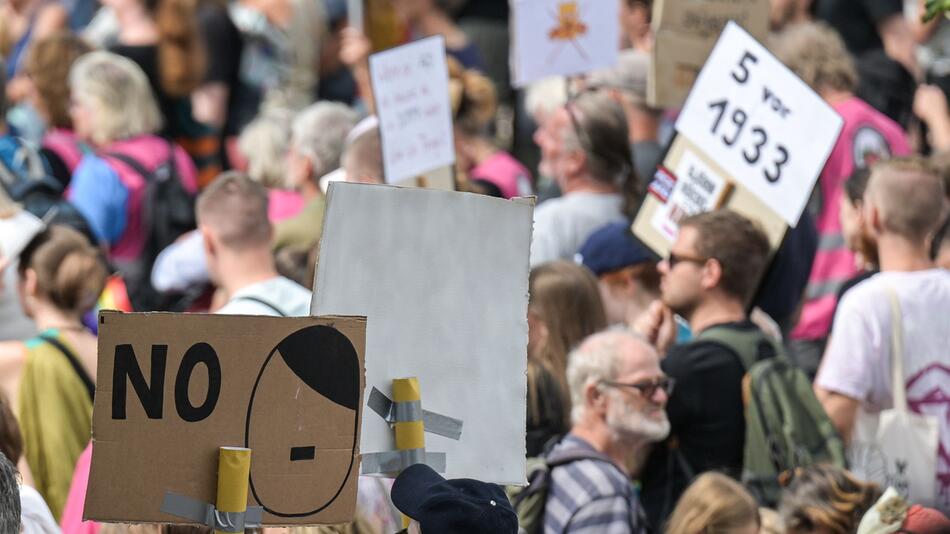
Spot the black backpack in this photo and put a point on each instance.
(28, 183)
(168, 211)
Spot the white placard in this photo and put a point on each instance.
(697, 189)
(562, 38)
(16, 232)
(760, 122)
(411, 89)
(442, 278)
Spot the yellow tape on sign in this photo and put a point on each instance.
(406, 389)
(410, 435)
(234, 469)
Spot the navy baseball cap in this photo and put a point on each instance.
(456, 506)
(612, 248)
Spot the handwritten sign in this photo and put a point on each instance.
(760, 122)
(411, 88)
(563, 37)
(698, 188)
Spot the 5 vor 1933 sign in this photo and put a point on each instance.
(760, 122)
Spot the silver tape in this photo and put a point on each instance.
(392, 462)
(205, 514)
(408, 411)
(441, 425)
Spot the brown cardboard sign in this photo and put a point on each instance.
(685, 33)
(172, 388)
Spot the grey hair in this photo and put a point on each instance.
(597, 358)
(319, 133)
(264, 143)
(545, 96)
(119, 95)
(9, 496)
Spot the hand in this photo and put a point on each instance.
(354, 47)
(657, 326)
(930, 104)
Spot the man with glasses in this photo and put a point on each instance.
(585, 150)
(709, 278)
(618, 394)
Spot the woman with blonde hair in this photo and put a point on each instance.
(564, 307)
(488, 168)
(60, 278)
(826, 500)
(715, 504)
(113, 110)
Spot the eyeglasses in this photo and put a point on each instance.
(673, 259)
(647, 388)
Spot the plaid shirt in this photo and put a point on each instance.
(591, 496)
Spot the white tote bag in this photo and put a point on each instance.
(896, 447)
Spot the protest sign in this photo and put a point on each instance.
(656, 224)
(562, 38)
(767, 129)
(685, 32)
(443, 277)
(17, 228)
(411, 89)
(173, 388)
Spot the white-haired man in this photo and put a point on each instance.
(619, 396)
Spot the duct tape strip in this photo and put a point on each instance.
(204, 513)
(435, 423)
(408, 411)
(392, 462)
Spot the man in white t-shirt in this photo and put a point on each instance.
(584, 148)
(904, 203)
(232, 219)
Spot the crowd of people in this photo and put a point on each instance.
(179, 153)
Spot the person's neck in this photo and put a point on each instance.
(239, 270)
(627, 453)
(136, 27)
(310, 190)
(46, 316)
(642, 128)
(585, 183)
(715, 310)
(435, 22)
(897, 254)
(637, 307)
(477, 149)
(835, 96)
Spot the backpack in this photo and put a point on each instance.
(529, 501)
(25, 180)
(786, 426)
(168, 212)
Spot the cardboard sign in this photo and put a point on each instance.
(685, 32)
(444, 277)
(697, 188)
(172, 388)
(760, 122)
(411, 88)
(562, 37)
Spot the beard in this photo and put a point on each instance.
(636, 424)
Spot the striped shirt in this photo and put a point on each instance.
(591, 496)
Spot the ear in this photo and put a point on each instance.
(30, 282)
(208, 240)
(872, 217)
(576, 160)
(596, 399)
(712, 274)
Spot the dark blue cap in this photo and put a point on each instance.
(612, 248)
(454, 506)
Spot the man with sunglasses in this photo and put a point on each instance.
(618, 393)
(713, 269)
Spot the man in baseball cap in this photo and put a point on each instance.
(625, 269)
(459, 506)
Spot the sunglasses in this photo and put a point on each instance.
(647, 388)
(673, 259)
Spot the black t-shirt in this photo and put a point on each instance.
(857, 20)
(706, 420)
(224, 46)
(489, 9)
(173, 109)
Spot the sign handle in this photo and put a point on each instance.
(410, 435)
(234, 470)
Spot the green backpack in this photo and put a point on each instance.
(528, 501)
(786, 426)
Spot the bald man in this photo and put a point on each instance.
(904, 204)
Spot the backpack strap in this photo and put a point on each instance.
(262, 302)
(134, 164)
(745, 343)
(74, 363)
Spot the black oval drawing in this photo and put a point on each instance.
(327, 363)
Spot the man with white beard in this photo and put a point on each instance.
(619, 395)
